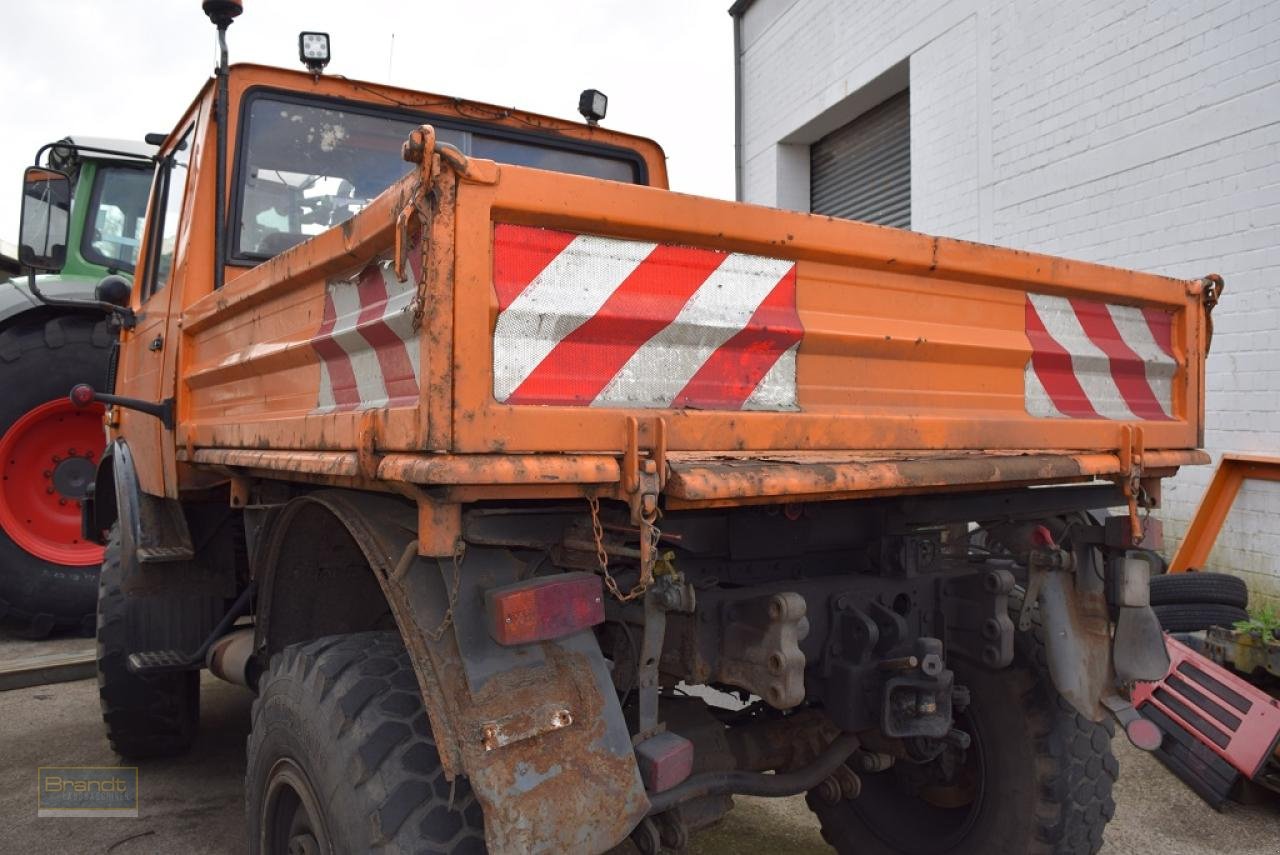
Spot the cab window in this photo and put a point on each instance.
(171, 182)
(308, 165)
(117, 211)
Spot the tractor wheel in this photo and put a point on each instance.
(341, 756)
(1036, 778)
(49, 451)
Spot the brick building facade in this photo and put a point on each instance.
(1138, 134)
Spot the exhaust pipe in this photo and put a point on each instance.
(231, 658)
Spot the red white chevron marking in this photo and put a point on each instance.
(586, 320)
(367, 346)
(1093, 360)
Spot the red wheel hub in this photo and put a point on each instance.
(47, 461)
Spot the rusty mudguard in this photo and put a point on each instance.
(537, 728)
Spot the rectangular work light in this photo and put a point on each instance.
(313, 50)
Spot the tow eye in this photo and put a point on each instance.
(82, 395)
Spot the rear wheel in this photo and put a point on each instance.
(49, 451)
(1036, 778)
(341, 757)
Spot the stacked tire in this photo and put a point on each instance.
(1190, 602)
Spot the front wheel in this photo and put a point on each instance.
(1036, 779)
(341, 757)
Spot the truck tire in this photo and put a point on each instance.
(1039, 777)
(49, 451)
(1220, 588)
(145, 716)
(341, 756)
(1193, 617)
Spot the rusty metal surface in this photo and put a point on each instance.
(544, 743)
(1246, 652)
(499, 469)
(693, 479)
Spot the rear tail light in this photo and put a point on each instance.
(545, 609)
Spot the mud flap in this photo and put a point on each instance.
(536, 728)
(1077, 634)
(539, 729)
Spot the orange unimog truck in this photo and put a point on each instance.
(543, 507)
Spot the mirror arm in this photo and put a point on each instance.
(127, 318)
(93, 149)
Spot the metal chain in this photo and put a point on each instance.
(602, 556)
(425, 220)
(445, 622)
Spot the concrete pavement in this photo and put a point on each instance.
(194, 804)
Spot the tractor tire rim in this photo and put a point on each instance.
(48, 459)
(292, 822)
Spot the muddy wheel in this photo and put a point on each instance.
(1036, 779)
(341, 757)
(48, 453)
(145, 716)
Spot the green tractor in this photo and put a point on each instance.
(49, 449)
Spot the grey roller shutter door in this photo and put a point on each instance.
(862, 171)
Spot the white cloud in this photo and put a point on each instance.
(122, 68)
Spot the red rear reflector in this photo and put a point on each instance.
(665, 760)
(1144, 734)
(544, 609)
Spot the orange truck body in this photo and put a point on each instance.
(910, 374)
(483, 343)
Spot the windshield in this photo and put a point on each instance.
(305, 167)
(114, 221)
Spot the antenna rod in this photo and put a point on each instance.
(221, 13)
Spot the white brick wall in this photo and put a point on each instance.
(1140, 134)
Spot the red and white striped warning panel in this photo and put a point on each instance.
(1093, 360)
(593, 321)
(367, 346)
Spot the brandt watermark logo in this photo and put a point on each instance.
(87, 791)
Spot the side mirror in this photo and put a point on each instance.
(113, 289)
(46, 212)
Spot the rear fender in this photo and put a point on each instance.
(536, 728)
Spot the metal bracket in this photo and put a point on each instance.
(642, 483)
(1131, 453)
(1047, 557)
(669, 594)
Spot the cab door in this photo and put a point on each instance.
(147, 360)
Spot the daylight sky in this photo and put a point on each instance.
(121, 68)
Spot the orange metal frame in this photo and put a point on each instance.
(1233, 470)
(909, 377)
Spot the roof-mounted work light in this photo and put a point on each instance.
(592, 104)
(313, 50)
